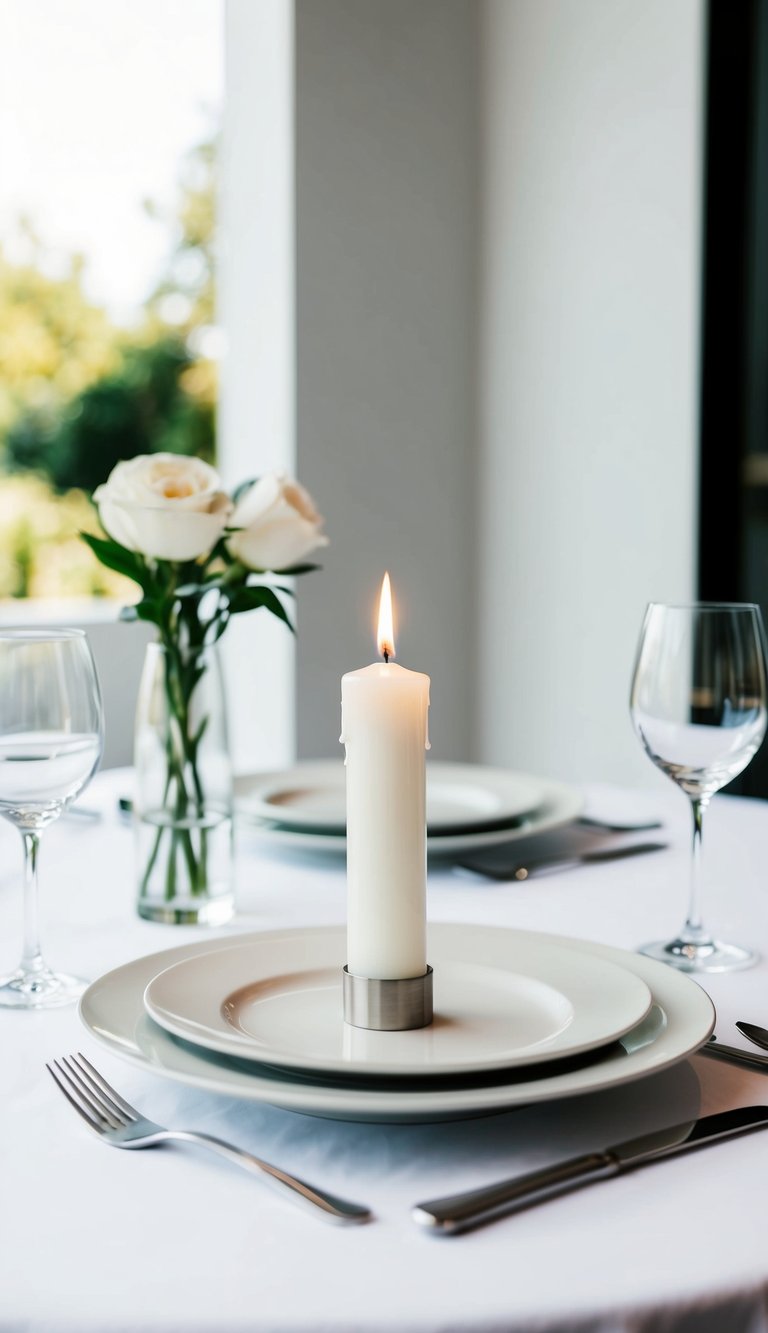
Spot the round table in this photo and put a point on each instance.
(96, 1240)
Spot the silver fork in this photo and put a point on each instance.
(121, 1125)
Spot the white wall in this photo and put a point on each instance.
(588, 364)
(256, 426)
(386, 102)
(494, 295)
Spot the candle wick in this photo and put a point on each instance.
(386, 656)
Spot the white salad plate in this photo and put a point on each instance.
(558, 805)
(112, 1010)
(501, 1001)
(311, 797)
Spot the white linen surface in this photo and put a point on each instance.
(96, 1240)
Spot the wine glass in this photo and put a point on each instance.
(698, 704)
(50, 745)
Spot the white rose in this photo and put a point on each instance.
(164, 506)
(279, 522)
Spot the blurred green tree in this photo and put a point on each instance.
(54, 342)
(141, 408)
(78, 394)
(190, 271)
(154, 391)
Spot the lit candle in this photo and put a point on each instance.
(384, 728)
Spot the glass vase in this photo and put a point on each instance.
(183, 792)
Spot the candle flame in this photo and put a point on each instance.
(386, 632)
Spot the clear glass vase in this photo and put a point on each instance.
(183, 793)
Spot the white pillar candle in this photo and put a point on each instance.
(384, 728)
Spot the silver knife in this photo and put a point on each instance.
(558, 860)
(462, 1212)
(735, 1055)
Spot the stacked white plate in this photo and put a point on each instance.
(468, 806)
(519, 1017)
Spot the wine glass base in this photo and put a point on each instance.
(40, 990)
(703, 956)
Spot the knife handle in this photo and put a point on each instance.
(735, 1055)
(461, 1212)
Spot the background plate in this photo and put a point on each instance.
(559, 805)
(310, 797)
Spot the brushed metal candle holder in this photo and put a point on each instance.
(388, 1005)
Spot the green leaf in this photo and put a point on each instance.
(192, 589)
(146, 609)
(119, 558)
(245, 598)
(198, 736)
(243, 489)
(252, 598)
(219, 552)
(220, 624)
(298, 569)
(273, 604)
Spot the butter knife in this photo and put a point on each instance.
(461, 1212)
(558, 861)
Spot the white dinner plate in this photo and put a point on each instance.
(500, 1001)
(112, 1010)
(311, 797)
(559, 805)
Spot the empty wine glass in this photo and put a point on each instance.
(698, 704)
(50, 746)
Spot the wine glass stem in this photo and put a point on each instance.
(693, 931)
(31, 959)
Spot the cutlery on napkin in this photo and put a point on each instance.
(122, 1126)
(719, 1050)
(549, 852)
(461, 1212)
(734, 1055)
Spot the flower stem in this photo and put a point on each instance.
(184, 794)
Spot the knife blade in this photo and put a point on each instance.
(461, 1212)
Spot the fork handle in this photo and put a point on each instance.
(336, 1209)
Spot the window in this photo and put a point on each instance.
(109, 124)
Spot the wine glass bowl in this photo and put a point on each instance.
(698, 705)
(51, 739)
(41, 773)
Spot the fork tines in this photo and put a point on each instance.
(90, 1094)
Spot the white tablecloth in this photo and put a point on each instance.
(94, 1241)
